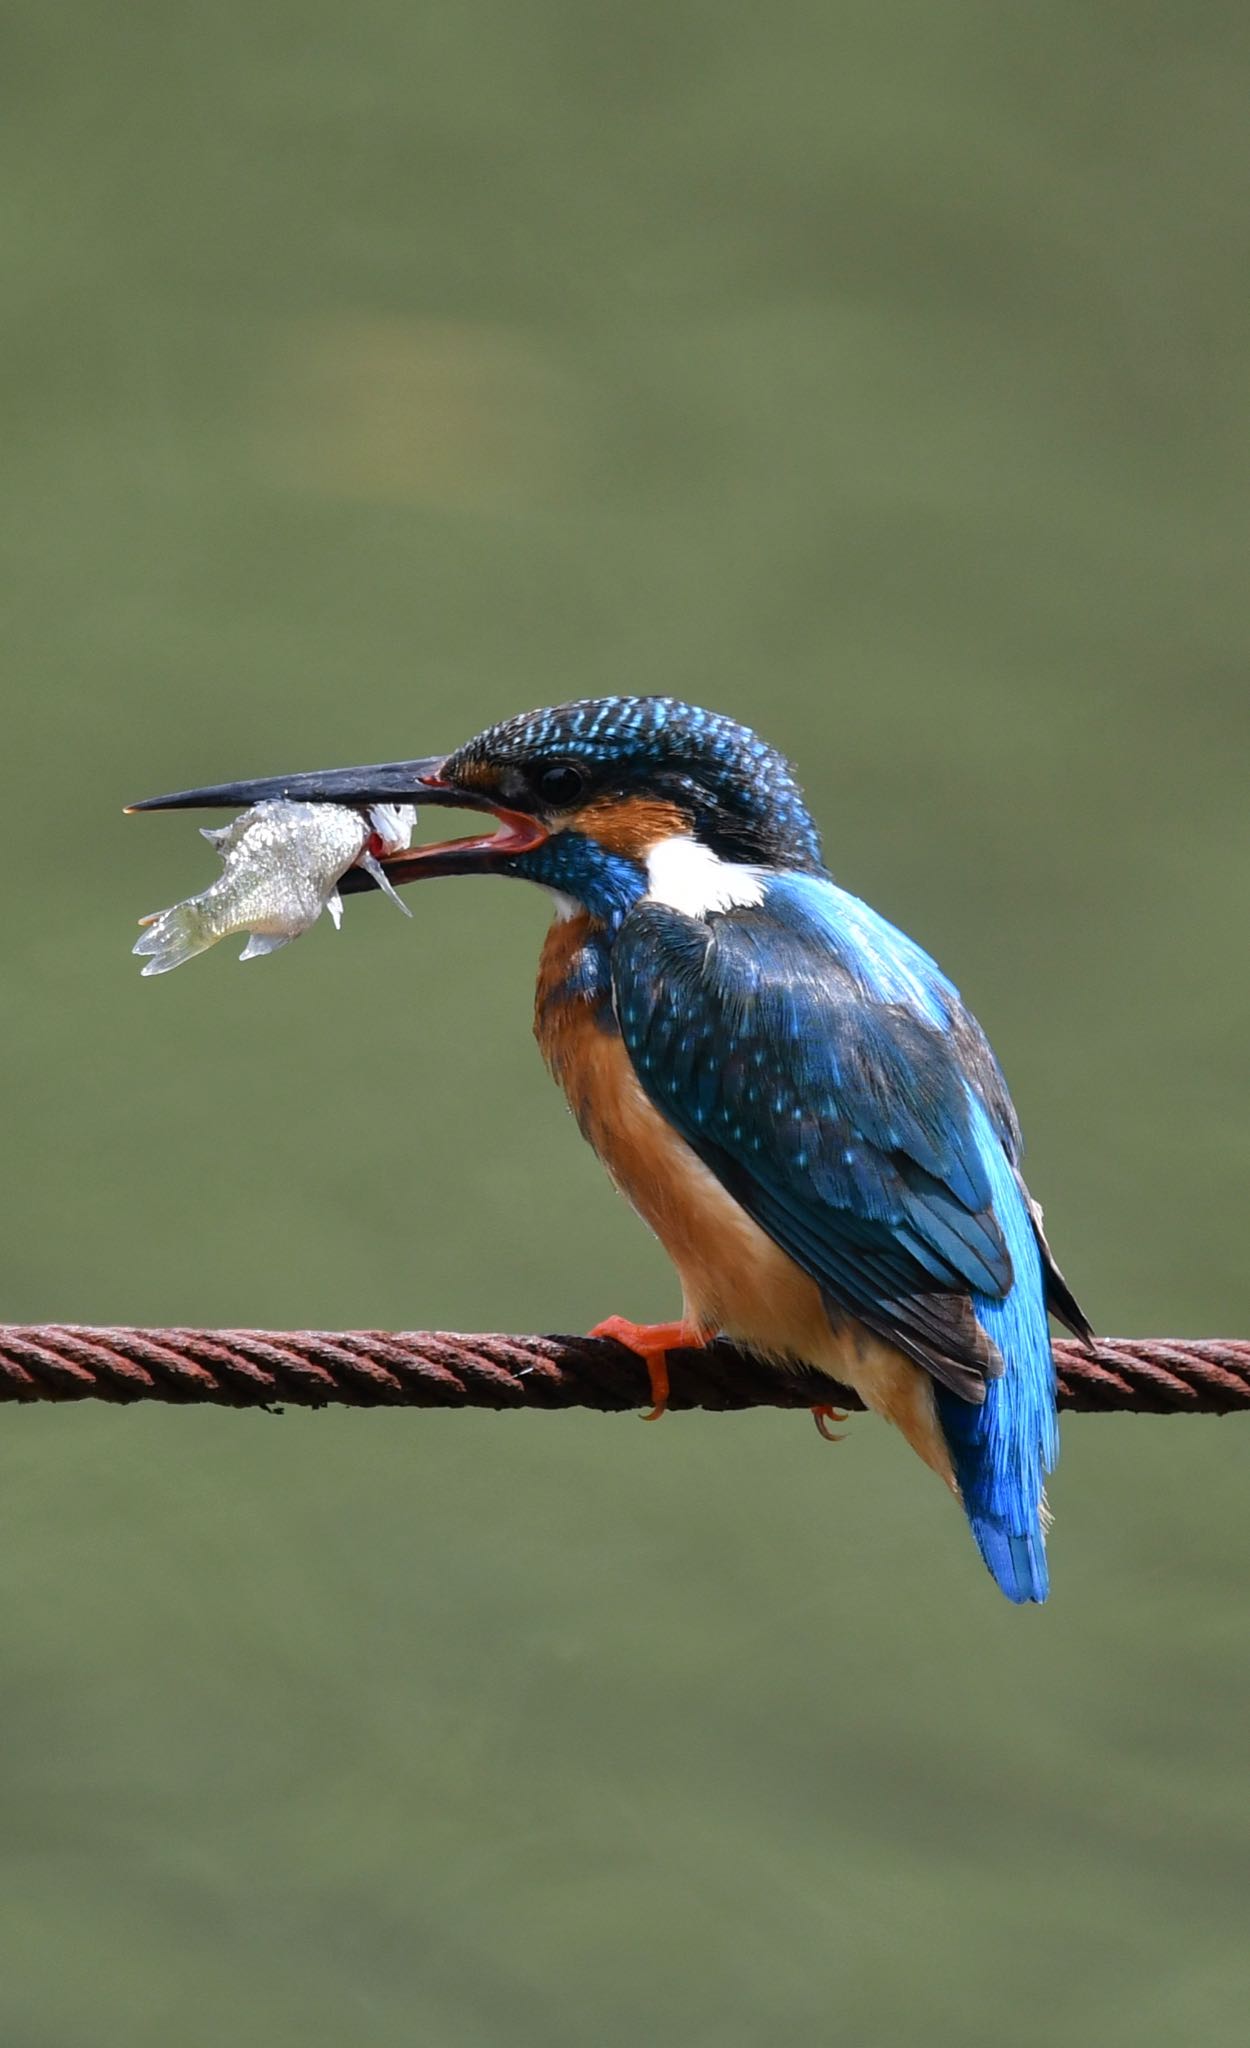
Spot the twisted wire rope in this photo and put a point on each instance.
(452, 1369)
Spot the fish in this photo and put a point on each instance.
(282, 866)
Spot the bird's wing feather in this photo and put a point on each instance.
(843, 1125)
(977, 1059)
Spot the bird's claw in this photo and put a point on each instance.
(823, 1415)
(651, 1342)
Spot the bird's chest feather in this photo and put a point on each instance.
(577, 1034)
(734, 1277)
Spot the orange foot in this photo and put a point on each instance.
(652, 1342)
(823, 1416)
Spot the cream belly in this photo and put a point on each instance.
(734, 1278)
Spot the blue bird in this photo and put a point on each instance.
(788, 1089)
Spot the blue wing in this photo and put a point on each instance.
(842, 1119)
(826, 1071)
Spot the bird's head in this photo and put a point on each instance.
(584, 794)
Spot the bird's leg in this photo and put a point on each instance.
(652, 1342)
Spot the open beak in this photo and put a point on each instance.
(391, 782)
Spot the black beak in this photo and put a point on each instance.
(391, 782)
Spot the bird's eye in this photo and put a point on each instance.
(560, 784)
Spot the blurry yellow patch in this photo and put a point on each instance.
(427, 411)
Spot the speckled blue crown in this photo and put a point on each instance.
(660, 741)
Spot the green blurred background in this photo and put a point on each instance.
(877, 374)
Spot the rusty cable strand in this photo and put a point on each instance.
(449, 1369)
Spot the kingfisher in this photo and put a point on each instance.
(787, 1088)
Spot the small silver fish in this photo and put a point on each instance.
(283, 864)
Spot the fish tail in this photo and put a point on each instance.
(170, 937)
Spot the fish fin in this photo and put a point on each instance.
(374, 867)
(265, 942)
(334, 904)
(217, 835)
(171, 937)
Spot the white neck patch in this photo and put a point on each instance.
(689, 877)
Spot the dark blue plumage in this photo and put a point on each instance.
(841, 1122)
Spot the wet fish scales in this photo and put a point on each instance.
(282, 865)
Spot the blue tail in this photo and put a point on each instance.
(1003, 1450)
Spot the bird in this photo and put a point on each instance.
(785, 1086)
